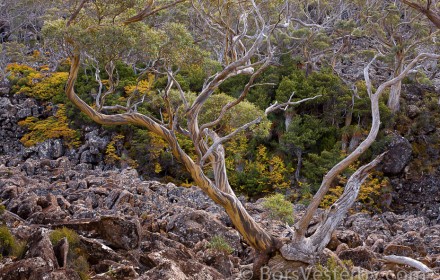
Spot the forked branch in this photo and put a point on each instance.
(302, 225)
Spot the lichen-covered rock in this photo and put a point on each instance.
(398, 250)
(360, 256)
(220, 261)
(27, 269)
(148, 230)
(398, 155)
(348, 237)
(192, 226)
(118, 232)
(40, 246)
(412, 240)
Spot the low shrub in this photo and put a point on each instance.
(76, 258)
(9, 245)
(220, 244)
(279, 208)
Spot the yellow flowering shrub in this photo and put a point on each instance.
(143, 87)
(369, 194)
(52, 127)
(111, 155)
(28, 81)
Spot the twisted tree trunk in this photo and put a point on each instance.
(252, 232)
(299, 248)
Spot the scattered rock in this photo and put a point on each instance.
(118, 232)
(40, 246)
(360, 256)
(398, 250)
(61, 250)
(398, 156)
(412, 240)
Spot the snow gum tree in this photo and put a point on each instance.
(239, 36)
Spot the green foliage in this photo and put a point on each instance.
(334, 94)
(220, 244)
(77, 256)
(239, 115)
(71, 236)
(337, 271)
(279, 208)
(263, 174)
(7, 240)
(9, 246)
(304, 133)
(316, 165)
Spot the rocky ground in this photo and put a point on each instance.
(135, 229)
(129, 228)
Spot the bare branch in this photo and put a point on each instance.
(277, 106)
(114, 108)
(337, 211)
(166, 99)
(148, 11)
(240, 98)
(301, 226)
(308, 24)
(182, 93)
(227, 72)
(407, 261)
(429, 13)
(303, 249)
(226, 138)
(405, 71)
(367, 76)
(75, 14)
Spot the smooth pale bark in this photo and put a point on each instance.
(408, 261)
(302, 225)
(252, 232)
(304, 249)
(396, 89)
(299, 248)
(394, 99)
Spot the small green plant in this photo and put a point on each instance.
(220, 244)
(60, 233)
(7, 241)
(337, 271)
(82, 267)
(279, 208)
(76, 257)
(19, 249)
(9, 246)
